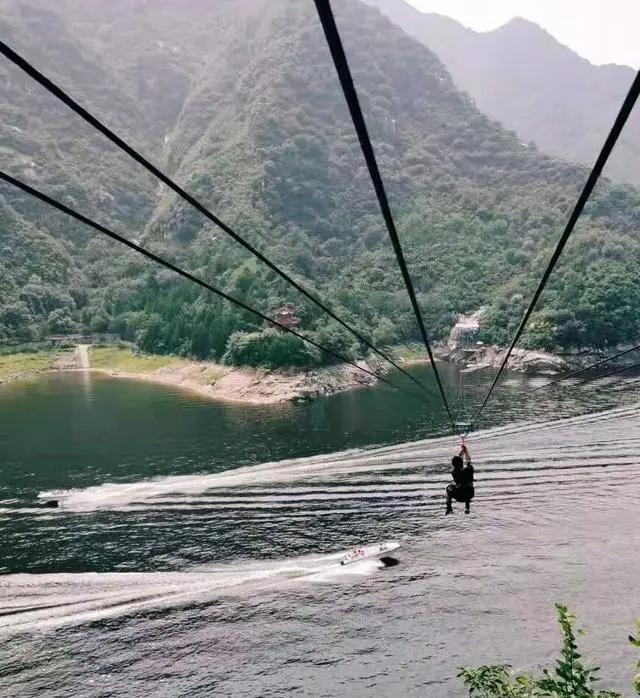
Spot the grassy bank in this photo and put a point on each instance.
(209, 379)
(26, 364)
(409, 353)
(123, 359)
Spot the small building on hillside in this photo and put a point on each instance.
(286, 315)
(464, 333)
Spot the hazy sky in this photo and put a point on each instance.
(603, 31)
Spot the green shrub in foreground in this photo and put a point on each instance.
(570, 678)
(636, 679)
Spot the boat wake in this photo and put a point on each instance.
(391, 488)
(510, 455)
(40, 602)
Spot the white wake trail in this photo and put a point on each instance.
(44, 602)
(602, 438)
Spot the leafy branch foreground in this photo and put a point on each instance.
(569, 679)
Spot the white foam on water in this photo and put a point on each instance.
(541, 472)
(42, 602)
(602, 436)
(595, 449)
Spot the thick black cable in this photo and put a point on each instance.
(346, 80)
(185, 274)
(580, 371)
(58, 92)
(594, 175)
(613, 372)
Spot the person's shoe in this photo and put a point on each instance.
(449, 511)
(467, 510)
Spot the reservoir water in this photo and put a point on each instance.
(196, 549)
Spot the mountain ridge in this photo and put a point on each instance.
(520, 75)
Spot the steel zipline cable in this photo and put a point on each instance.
(580, 371)
(58, 92)
(185, 274)
(594, 175)
(613, 372)
(334, 41)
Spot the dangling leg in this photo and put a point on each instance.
(449, 493)
(449, 507)
(467, 501)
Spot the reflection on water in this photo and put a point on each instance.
(179, 567)
(86, 379)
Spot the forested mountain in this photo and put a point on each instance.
(239, 101)
(521, 76)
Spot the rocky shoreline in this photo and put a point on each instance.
(214, 381)
(249, 385)
(267, 387)
(263, 387)
(521, 360)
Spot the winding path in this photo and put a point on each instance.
(83, 356)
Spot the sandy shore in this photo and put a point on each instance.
(208, 379)
(248, 385)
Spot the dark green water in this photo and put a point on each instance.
(78, 430)
(177, 567)
(74, 430)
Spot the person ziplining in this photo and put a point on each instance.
(461, 489)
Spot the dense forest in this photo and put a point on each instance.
(239, 102)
